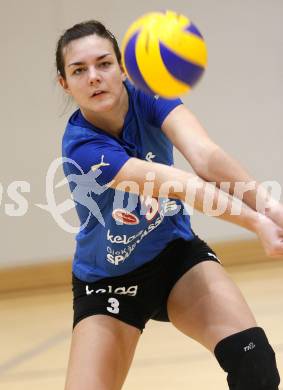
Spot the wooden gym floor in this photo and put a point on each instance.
(36, 330)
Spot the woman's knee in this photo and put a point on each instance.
(249, 360)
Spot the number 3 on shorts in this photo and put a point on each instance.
(114, 308)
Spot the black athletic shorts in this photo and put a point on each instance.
(141, 294)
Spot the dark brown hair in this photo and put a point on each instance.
(81, 30)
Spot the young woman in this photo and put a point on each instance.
(137, 257)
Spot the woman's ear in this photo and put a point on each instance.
(64, 84)
(124, 76)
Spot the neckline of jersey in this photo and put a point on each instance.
(128, 118)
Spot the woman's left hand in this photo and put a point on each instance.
(275, 213)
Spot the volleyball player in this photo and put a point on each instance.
(141, 259)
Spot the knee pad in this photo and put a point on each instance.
(249, 360)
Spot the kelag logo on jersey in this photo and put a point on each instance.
(125, 217)
(149, 208)
(128, 243)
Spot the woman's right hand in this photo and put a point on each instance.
(270, 235)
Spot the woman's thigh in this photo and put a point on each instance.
(206, 305)
(101, 353)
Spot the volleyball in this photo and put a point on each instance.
(164, 54)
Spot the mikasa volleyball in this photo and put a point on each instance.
(164, 54)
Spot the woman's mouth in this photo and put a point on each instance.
(97, 93)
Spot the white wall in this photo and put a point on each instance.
(239, 101)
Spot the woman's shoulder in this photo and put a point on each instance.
(82, 136)
(152, 108)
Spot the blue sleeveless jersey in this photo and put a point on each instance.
(120, 231)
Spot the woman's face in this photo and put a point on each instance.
(94, 77)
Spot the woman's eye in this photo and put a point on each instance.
(105, 64)
(78, 71)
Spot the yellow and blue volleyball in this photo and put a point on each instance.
(164, 54)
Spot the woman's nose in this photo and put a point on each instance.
(94, 76)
